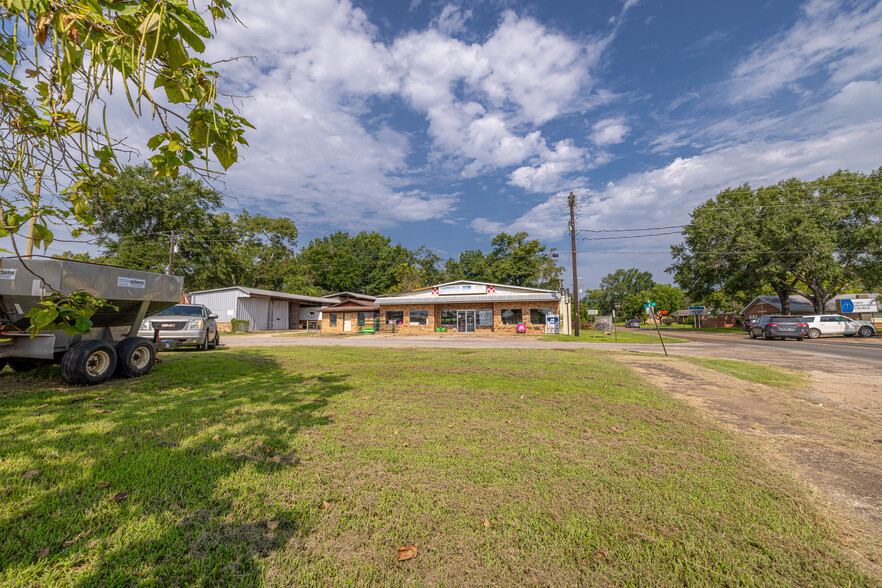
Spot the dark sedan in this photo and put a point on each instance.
(632, 324)
(779, 327)
(746, 324)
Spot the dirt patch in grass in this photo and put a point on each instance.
(828, 445)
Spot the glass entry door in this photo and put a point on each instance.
(465, 321)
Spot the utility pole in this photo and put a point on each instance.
(171, 252)
(35, 202)
(572, 202)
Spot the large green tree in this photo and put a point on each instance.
(513, 259)
(367, 262)
(213, 249)
(615, 287)
(816, 238)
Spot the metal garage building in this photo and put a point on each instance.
(265, 310)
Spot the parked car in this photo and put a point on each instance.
(746, 324)
(836, 324)
(188, 324)
(780, 326)
(632, 324)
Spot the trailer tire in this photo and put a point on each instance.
(88, 363)
(22, 367)
(134, 357)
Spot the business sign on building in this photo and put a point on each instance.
(462, 289)
(857, 305)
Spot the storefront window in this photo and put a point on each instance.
(419, 317)
(394, 317)
(511, 316)
(333, 319)
(365, 316)
(448, 317)
(537, 315)
(485, 318)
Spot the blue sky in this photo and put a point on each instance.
(443, 123)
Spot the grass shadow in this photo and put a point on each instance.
(142, 480)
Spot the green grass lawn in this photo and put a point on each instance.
(751, 372)
(312, 466)
(620, 337)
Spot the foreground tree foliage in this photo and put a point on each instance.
(818, 239)
(60, 59)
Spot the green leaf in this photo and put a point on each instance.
(226, 154)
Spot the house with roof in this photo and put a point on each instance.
(268, 310)
(462, 306)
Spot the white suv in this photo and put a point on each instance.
(836, 324)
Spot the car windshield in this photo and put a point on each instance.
(182, 310)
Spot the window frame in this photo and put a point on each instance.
(520, 314)
(423, 313)
(332, 319)
(399, 313)
(544, 316)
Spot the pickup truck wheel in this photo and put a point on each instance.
(865, 332)
(204, 345)
(134, 357)
(88, 363)
(22, 367)
(215, 341)
(813, 333)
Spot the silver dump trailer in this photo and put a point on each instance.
(111, 347)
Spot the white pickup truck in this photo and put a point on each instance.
(836, 324)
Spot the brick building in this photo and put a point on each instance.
(469, 307)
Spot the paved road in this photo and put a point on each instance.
(734, 345)
(862, 349)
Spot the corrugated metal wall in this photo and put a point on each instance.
(223, 304)
(255, 311)
(280, 315)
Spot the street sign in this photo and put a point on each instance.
(696, 308)
(592, 312)
(650, 305)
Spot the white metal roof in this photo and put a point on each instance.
(539, 296)
(270, 294)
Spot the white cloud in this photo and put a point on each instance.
(323, 145)
(833, 36)
(553, 170)
(610, 131)
(452, 20)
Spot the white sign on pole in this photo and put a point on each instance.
(858, 305)
(592, 312)
(648, 310)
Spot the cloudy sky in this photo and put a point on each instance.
(443, 123)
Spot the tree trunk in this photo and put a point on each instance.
(784, 291)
